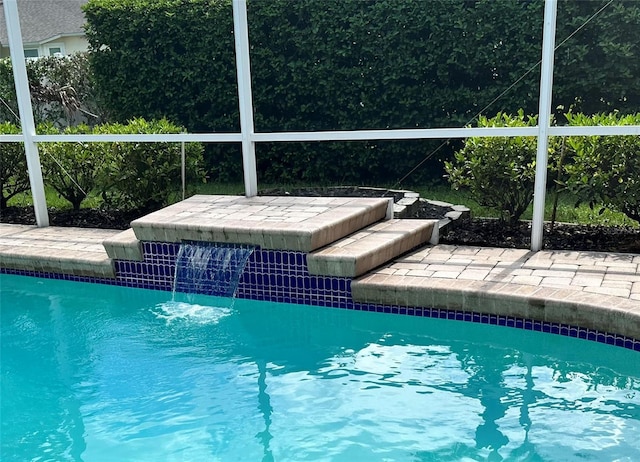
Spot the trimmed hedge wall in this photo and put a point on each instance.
(352, 64)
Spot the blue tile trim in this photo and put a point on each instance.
(65, 277)
(282, 276)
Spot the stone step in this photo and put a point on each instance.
(124, 246)
(371, 247)
(271, 222)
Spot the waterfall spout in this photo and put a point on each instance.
(210, 268)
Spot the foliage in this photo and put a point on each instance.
(146, 175)
(165, 58)
(598, 70)
(498, 171)
(125, 175)
(62, 90)
(14, 176)
(72, 169)
(605, 169)
(341, 65)
(8, 102)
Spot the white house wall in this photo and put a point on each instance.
(69, 45)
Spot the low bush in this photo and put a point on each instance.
(72, 169)
(146, 175)
(605, 169)
(14, 176)
(499, 172)
(125, 175)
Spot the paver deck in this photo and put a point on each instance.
(592, 290)
(606, 276)
(76, 251)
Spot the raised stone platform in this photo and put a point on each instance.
(371, 247)
(271, 222)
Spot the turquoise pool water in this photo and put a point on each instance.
(101, 373)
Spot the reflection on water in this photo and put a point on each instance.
(101, 373)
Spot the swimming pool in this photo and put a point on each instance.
(93, 372)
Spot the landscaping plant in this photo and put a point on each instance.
(498, 172)
(353, 65)
(14, 176)
(72, 168)
(146, 175)
(605, 170)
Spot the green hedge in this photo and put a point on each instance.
(499, 172)
(146, 175)
(603, 171)
(352, 64)
(72, 168)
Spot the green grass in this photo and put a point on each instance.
(54, 200)
(567, 212)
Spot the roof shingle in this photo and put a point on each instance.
(42, 20)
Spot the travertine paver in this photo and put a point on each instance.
(614, 274)
(77, 251)
(272, 222)
(123, 246)
(370, 247)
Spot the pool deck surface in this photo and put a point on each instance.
(588, 289)
(605, 276)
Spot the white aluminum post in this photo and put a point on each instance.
(544, 122)
(243, 69)
(183, 164)
(26, 112)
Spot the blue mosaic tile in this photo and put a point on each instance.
(283, 276)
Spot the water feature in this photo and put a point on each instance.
(210, 268)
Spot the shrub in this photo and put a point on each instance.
(72, 168)
(499, 172)
(14, 175)
(146, 175)
(605, 169)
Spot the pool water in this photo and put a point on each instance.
(102, 373)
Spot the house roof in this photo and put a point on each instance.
(44, 20)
